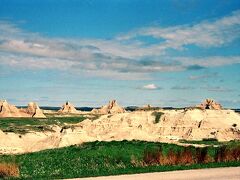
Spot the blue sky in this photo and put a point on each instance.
(159, 52)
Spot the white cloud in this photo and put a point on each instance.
(123, 57)
(150, 86)
(206, 33)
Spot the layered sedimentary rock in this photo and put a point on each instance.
(209, 104)
(111, 108)
(195, 124)
(68, 108)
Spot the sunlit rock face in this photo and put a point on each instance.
(8, 110)
(210, 104)
(111, 108)
(68, 108)
(34, 110)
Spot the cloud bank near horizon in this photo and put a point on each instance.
(126, 56)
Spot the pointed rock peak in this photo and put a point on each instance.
(210, 104)
(112, 103)
(34, 110)
(8, 110)
(68, 108)
(111, 108)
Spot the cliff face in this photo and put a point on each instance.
(198, 124)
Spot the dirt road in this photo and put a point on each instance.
(232, 173)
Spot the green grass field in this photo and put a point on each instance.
(24, 125)
(110, 158)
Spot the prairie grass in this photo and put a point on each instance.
(123, 157)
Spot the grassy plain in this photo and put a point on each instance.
(124, 157)
(24, 125)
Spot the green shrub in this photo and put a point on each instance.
(157, 116)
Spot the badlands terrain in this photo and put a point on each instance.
(32, 129)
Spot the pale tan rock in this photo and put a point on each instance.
(209, 104)
(34, 110)
(8, 110)
(68, 108)
(147, 106)
(191, 124)
(196, 124)
(111, 108)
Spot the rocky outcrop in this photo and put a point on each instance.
(111, 108)
(68, 108)
(8, 110)
(34, 110)
(209, 104)
(193, 124)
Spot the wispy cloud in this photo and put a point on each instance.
(218, 89)
(203, 76)
(125, 56)
(206, 33)
(182, 87)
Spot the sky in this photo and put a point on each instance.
(160, 52)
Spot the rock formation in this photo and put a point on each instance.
(193, 124)
(34, 110)
(111, 108)
(8, 110)
(68, 108)
(210, 104)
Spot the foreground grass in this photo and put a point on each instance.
(106, 158)
(24, 125)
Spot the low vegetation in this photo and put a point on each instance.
(157, 116)
(24, 125)
(125, 157)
